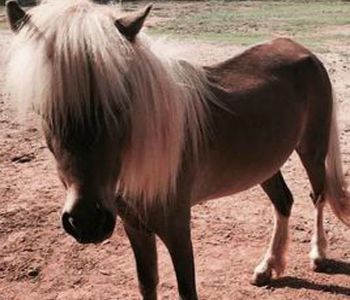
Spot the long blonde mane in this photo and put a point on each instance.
(71, 54)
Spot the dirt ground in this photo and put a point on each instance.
(38, 261)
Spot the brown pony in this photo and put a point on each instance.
(143, 135)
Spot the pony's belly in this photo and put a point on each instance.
(249, 159)
(227, 184)
(234, 179)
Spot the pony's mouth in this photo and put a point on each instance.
(94, 240)
(89, 232)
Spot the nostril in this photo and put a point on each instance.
(90, 225)
(69, 224)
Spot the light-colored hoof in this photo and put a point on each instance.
(261, 279)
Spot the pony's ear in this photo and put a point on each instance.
(131, 24)
(16, 15)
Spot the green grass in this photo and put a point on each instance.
(2, 18)
(317, 24)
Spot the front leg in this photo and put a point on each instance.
(143, 244)
(176, 235)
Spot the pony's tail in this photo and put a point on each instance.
(337, 194)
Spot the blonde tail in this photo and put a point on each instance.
(336, 188)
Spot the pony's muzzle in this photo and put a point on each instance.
(89, 227)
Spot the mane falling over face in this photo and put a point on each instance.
(84, 65)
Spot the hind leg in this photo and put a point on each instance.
(319, 240)
(313, 149)
(274, 259)
(315, 168)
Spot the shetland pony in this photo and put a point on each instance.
(145, 136)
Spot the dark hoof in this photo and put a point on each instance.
(319, 265)
(261, 279)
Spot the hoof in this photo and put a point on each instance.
(319, 265)
(261, 279)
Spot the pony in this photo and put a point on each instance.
(145, 136)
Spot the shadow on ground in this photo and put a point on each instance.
(330, 266)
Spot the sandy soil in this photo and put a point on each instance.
(39, 261)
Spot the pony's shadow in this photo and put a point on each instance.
(332, 266)
(329, 266)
